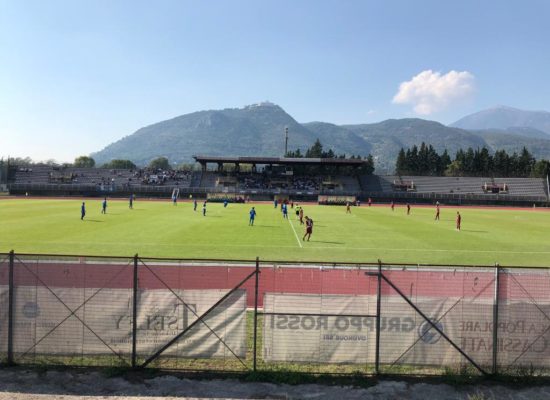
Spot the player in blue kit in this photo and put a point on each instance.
(252, 216)
(82, 211)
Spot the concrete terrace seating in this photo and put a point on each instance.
(454, 185)
(524, 186)
(46, 174)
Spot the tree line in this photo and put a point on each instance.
(317, 151)
(479, 162)
(88, 162)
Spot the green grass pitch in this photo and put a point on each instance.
(159, 229)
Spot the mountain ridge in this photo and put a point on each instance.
(258, 130)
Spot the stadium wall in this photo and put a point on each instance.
(252, 315)
(266, 195)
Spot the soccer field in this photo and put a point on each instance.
(159, 229)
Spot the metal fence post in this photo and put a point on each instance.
(495, 319)
(134, 312)
(256, 311)
(10, 309)
(378, 303)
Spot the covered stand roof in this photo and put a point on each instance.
(345, 162)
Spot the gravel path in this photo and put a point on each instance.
(21, 384)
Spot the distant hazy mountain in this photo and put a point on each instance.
(388, 137)
(249, 131)
(506, 118)
(258, 130)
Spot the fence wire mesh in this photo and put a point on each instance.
(428, 315)
(194, 315)
(4, 302)
(523, 327)
(244, 316)
(71, 311)
(317, 318)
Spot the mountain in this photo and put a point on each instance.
(506, 118)
(249, 131)
(258, 130)
(388, 137)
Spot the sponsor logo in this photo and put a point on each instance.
(428, 334)
(342, 323)
(31, 310)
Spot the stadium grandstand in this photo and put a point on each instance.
(264, 178)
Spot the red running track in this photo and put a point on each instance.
(468, 283)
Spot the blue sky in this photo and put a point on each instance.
(76, 76)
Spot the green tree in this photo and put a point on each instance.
(444, 162)
(454, 169)
(401, 163)
(315, 151)
(541, 169)
(160, 163)
(119, 164)
(294, 154)
(84, 162)
(526, 163)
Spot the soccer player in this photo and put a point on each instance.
(301, 215)
(309, 229)
(225, 202)
(348, 209)
(370, 202)
(195, 205)
(252, 216)
(458, 221)
(392, 205)
(131, 202)
(204, 209)
(174, 200)
(437, 211)
(285, 211)
(104, 206)
(408, 209)
(82, 211)
(275, 203)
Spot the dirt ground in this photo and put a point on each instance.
(24, 384)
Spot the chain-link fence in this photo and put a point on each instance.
(211, 315)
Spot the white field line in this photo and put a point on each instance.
(309, 247)
(295, 234)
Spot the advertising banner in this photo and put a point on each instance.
(91, 321)
(316, 328)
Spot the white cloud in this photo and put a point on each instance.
(430, 92)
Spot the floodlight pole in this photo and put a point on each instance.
(286, 142)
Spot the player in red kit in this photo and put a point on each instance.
(392, 205)
(370, 202)
(309, 228)
(437, 211)
(458, 221)
(408, 209)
